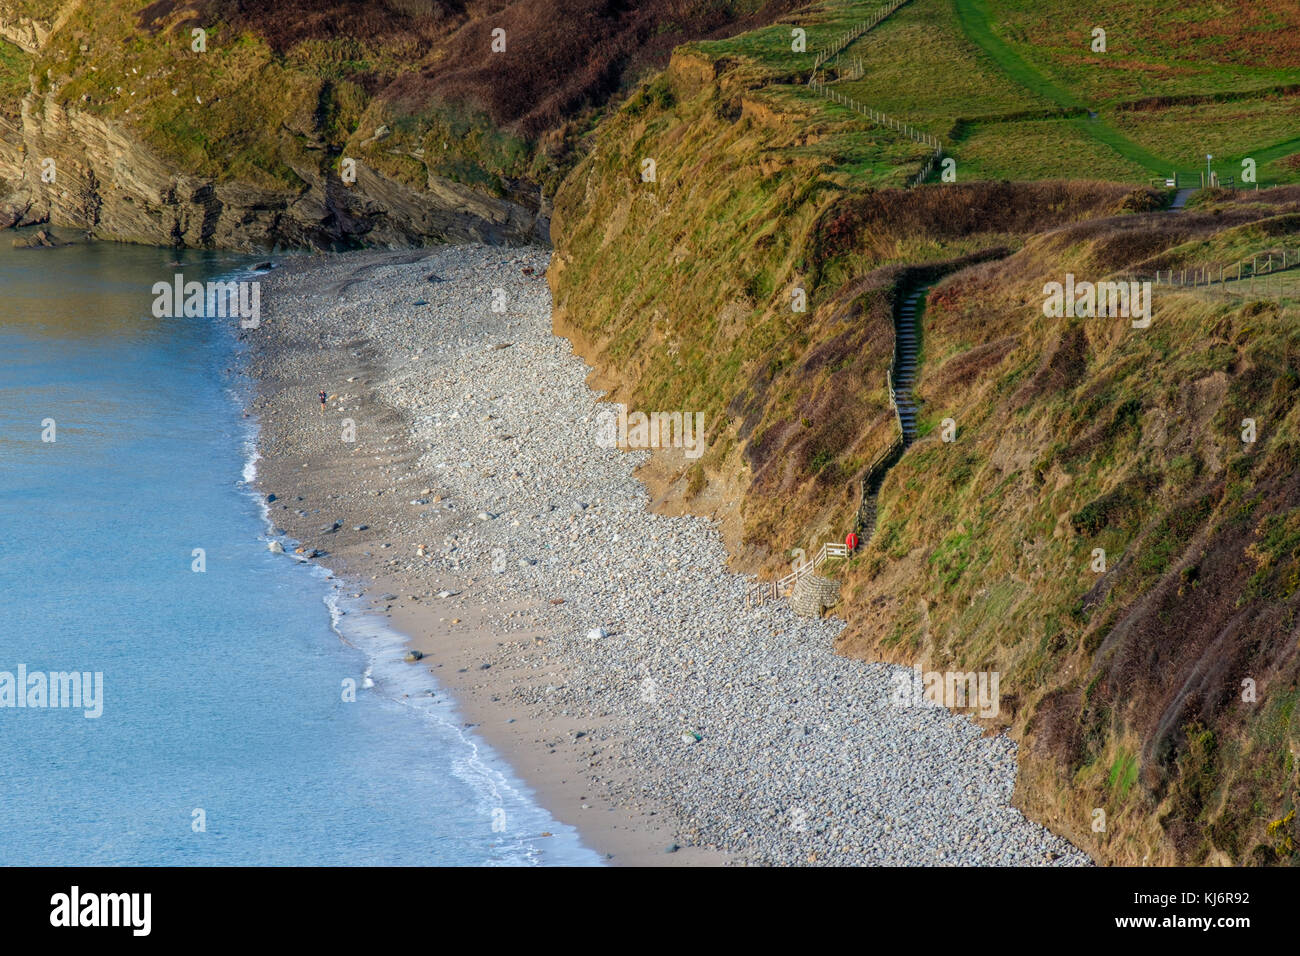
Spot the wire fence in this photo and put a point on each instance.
(891, 122)
(858, 69)
(1261, 273)
(844, 39)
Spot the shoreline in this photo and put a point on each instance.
(452, 653)
(483, 520)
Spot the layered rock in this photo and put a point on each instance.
(108, 183)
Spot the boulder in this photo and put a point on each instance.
(41, 239)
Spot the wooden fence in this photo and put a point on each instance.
(821, 86)
(844, 39)
(876, 116)
(1238, 277)
(770, 590)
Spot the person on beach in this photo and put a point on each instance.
(323, 399)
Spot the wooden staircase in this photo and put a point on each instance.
(763, 591)
(899, 381)
(903, 376)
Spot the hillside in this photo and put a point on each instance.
(699, 190)
(330, 124)
(243, 143)
(1124, 686)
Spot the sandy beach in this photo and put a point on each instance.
(455, 480)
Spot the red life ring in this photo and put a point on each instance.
(851, 541)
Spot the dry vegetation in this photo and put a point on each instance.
(1073, 434)
(1077, 434)
(410, 88)
(425, 68)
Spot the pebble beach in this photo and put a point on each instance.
(456, 483)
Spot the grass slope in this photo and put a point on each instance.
(410, 88)
(1074, 435)
(1083, 434)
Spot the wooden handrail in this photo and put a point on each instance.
(760, 592)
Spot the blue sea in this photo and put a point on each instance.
(225, 736)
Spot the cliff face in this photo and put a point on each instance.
(682, 291)
(241, 138)
(26, 33)
(109, 183)
(107, 179)
(1159, 687)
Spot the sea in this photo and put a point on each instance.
(245, 714)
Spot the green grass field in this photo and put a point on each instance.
(965, 85)
(1040, 149)
(1229, 131)
(984, 74)
(1153, 47)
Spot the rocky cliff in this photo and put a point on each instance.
(109, 183)
(313, 123)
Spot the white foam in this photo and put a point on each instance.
(414, 688)
(472, 760)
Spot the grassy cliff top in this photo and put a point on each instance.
(1124, 684)
(1016, 89)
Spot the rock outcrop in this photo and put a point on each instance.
(105, 181)
(453, 138)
